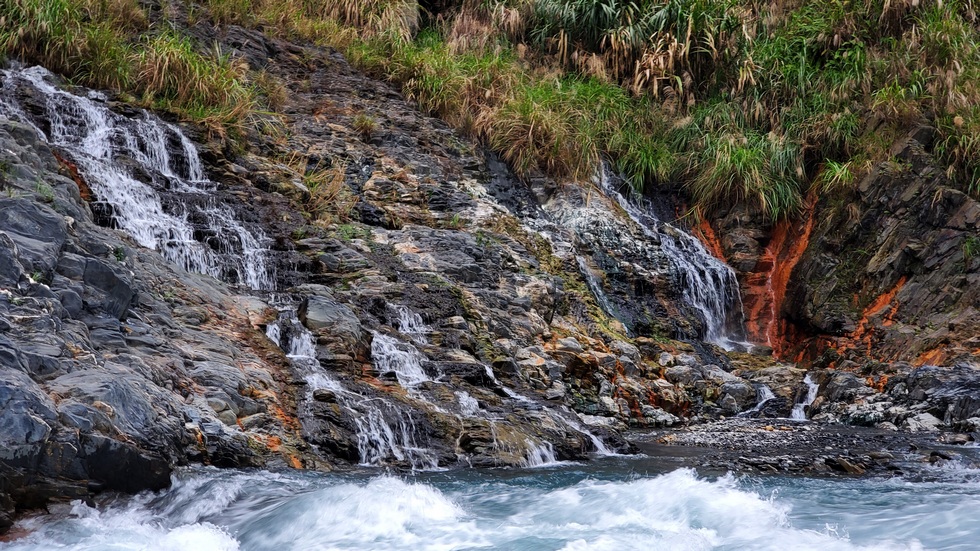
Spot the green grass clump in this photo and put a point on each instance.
(85, 40)
(561, 124)
(211, 89)
(98, 43)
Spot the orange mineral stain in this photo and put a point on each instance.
(936, 356)
(765, 286)
(863, 337)
(706, 234)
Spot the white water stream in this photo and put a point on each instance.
(385, 432)
(709, 285)
(132, 164)
(762, 396)
(799, 410)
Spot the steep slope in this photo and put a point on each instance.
(429, 309)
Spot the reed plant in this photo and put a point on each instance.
(731, 100)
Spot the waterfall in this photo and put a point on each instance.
(762, 396)
(468, 405)
(595, 286)
(539, 454)
(710, 286)
(146, 175)
(569, 420)
(799, 410)
(600, 447)
(411, 324)
(392, 356)
(385, 431)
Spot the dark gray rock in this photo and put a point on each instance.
(11, 270)
(38, 232)
(325, 315)
(115, 285)
(26, 418)
(841, 386)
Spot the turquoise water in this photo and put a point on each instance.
(611, 504)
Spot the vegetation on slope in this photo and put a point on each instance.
(735, 100)
(111, 44)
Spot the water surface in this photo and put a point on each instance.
(614, 504)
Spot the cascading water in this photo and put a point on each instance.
(710, 286)
(595, 286)
(799, 410)
(167, 166)
(392, 356)
(762, 396)
(568, 420)
(411, 324)
(385, 432)
(540, 453)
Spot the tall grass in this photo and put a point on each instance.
(211, 89)
(649, 44)
(727, 161)
(82, 39)
(319, 20)
(97, 43)
(555, 123)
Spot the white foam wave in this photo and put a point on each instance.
(136, 529)
(263, 511)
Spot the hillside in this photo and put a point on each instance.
(322, 235)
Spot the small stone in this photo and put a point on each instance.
(849, 466)
(923, 422)
(228, 417)
(255, 421)
(556, 392)
(324, 395)
(570, 345)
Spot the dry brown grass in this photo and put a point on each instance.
(328, 199)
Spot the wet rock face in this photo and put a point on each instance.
(437, 227)
(114, 367)
(892, 275)
(112, 361)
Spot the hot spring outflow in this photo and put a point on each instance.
(146, 176)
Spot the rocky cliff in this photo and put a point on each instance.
(373, 294)
(359, 285)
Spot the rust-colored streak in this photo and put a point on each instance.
(83, 190)
(782, 269)
(706, 234)
(862, 338)
(936, 356)
(877, 383)
(883, 300)
(765, 286)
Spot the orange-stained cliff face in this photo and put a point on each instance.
(885, 272)
(764, 287)
(709, 239)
